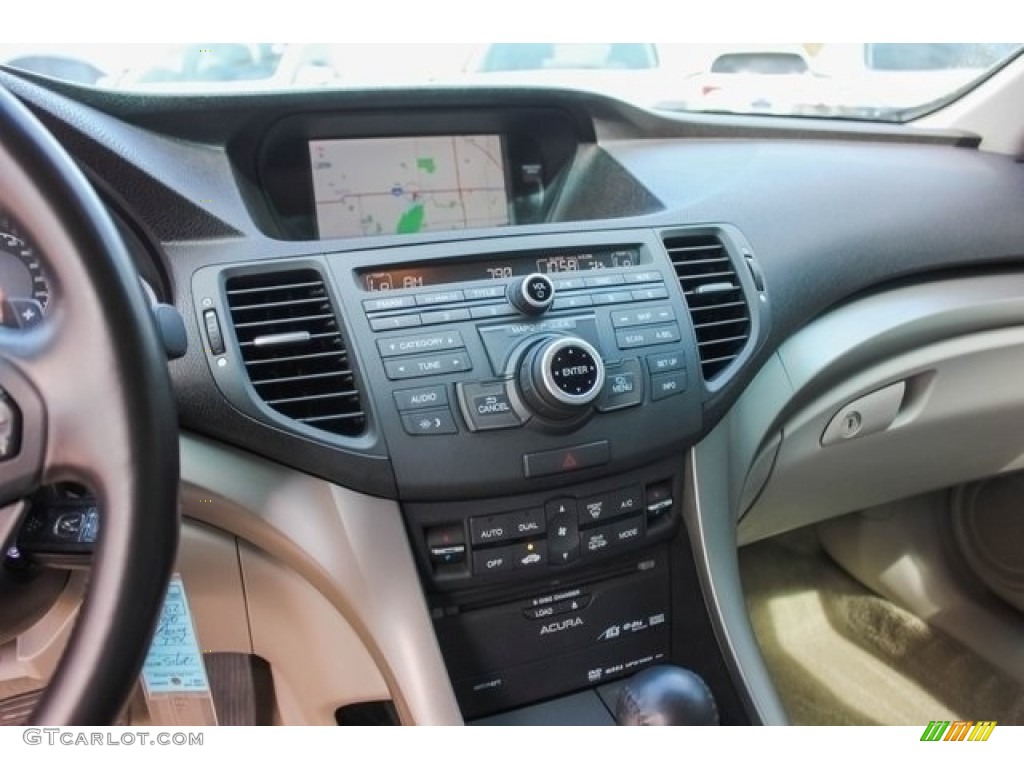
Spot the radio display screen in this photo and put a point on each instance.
(498, 268)
(407, 184)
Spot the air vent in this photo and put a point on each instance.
(718, 308)
(293, 350)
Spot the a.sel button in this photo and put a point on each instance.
(421, 397)
(647, 335)
(667, 384)
(437, 421)
(432, 365)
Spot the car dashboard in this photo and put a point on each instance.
(484, 447)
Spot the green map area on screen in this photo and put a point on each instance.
(408, 184)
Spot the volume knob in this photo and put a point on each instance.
(532, 294)
(561, 376)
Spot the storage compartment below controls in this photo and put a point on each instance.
(505, 654)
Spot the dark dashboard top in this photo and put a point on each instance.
(826, 210)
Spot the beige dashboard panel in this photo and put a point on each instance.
(350, 548)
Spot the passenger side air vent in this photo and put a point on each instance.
(718, 308)
(292, 348)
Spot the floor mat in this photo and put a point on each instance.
(841, 655)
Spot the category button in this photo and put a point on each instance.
(421, 397)
(427, 342)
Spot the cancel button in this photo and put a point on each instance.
(487, 406)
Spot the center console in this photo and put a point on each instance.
(536, 396)
(530, 397)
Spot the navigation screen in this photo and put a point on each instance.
(408, 184)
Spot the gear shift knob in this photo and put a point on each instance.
(666, 695)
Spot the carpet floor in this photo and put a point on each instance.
(841, 655)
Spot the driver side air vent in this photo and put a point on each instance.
(292, 348)
(714, 295)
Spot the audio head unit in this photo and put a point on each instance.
(525, 369)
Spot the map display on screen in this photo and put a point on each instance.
(408, 184)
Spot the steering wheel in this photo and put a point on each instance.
(92, 403)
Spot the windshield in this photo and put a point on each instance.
(873, 81)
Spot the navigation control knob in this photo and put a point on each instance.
(560, 376)
(532, 294)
